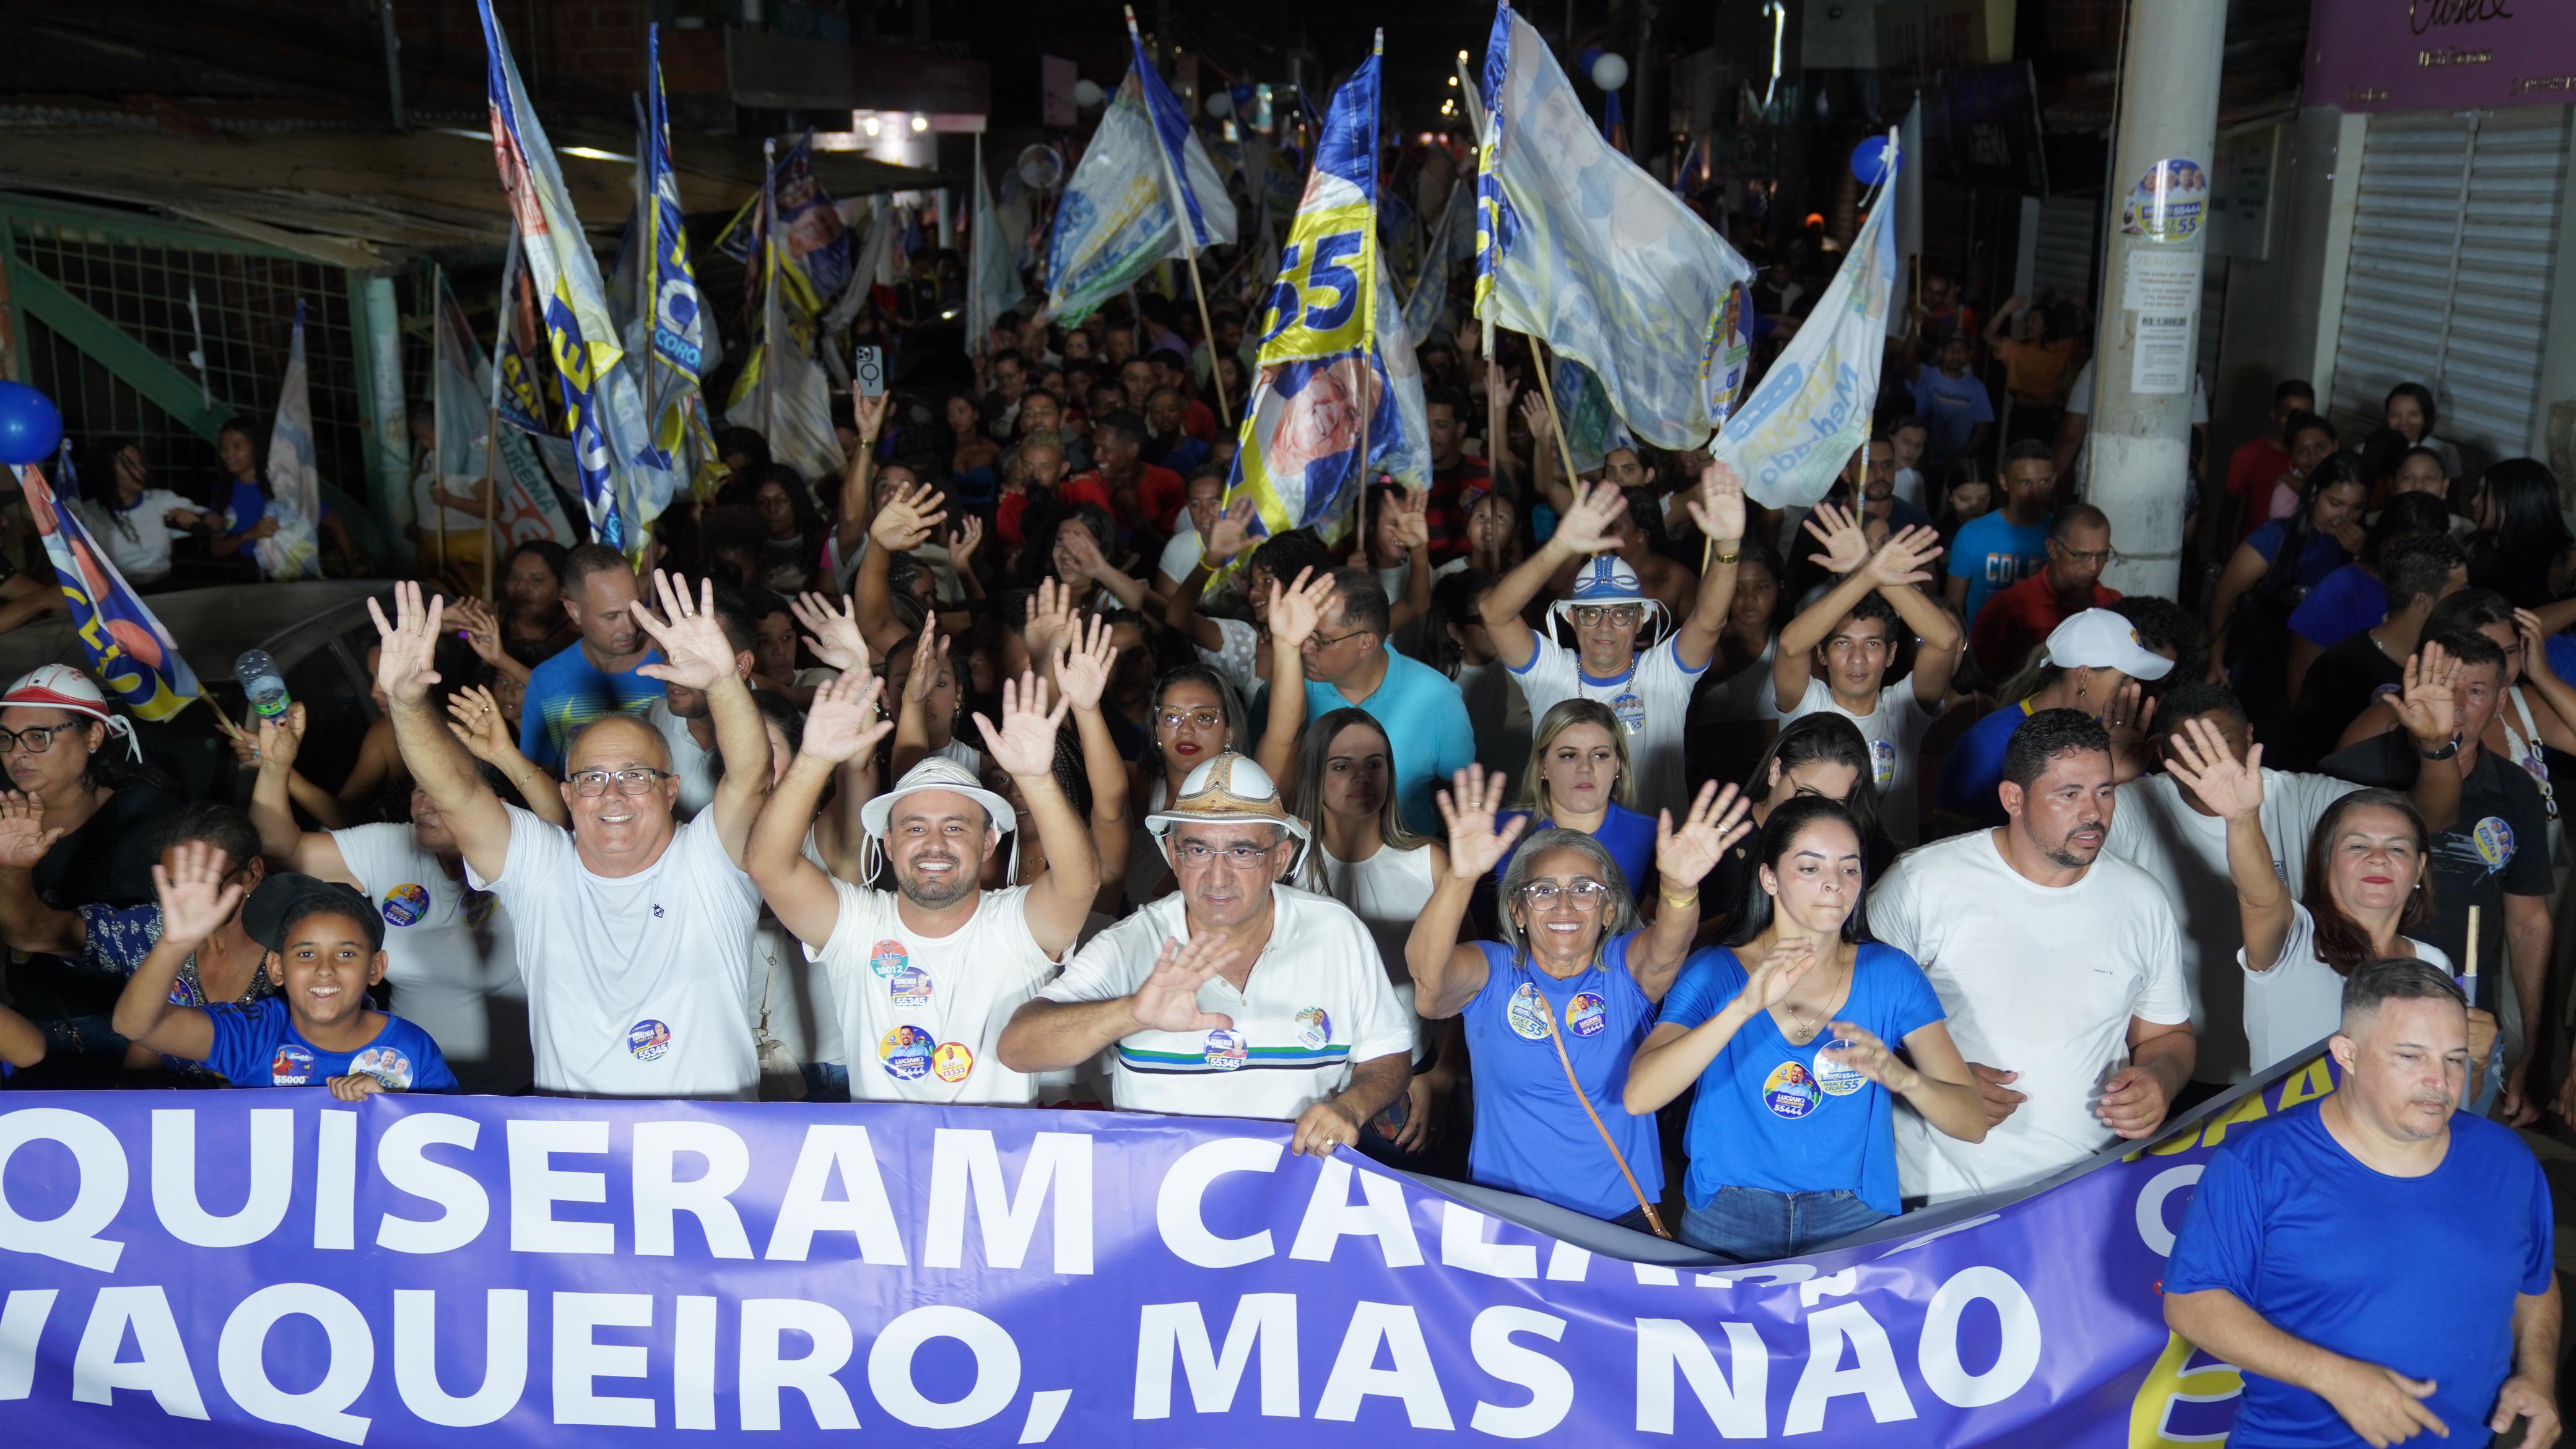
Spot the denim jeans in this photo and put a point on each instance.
(1754, 1225)
(826, 1082)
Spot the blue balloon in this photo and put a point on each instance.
(1869, 161)
(30, 427)
(1583, 60)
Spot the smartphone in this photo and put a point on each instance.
(867, 367)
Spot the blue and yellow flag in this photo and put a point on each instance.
(128, 649)
(681, 337)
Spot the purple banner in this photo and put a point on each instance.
(207, 1267)
(2416, 55)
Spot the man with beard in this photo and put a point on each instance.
(633, 933)
(603, 673)
(1234, 996)
(2018, 619)
(926, 975)
(2060, 969)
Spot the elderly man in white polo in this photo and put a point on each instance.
(1234, 996)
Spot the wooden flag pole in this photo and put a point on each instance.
(1556, 421)
(491, 493)
(1216, 374)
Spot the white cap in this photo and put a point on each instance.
(2101, 639)
(59, 686)
(938, 772)
(1605, 580)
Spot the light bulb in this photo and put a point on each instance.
(921, 123)
(870, 126)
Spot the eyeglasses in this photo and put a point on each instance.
(2083, 556)
(1204, 719)
(1198, 855)
(1588, 615)
(1319, 643)
(1587, 894)
(34, 739)
(637, 781)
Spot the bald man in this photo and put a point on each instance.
(633, 931)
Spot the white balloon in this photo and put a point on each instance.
(1610, 72)
(1219, 104)
(1087, 93)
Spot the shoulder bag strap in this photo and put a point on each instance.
(1547, 1014)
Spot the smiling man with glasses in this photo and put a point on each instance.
(2018, 619)
(1234, 996)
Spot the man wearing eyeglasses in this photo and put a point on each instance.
(2018, 619)
(1349, 666)
(1649, 692)
(1234, 996)
(634, 932)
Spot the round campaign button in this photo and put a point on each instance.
(386, 1064)
(648, 1040)
(888, 958)
(1584, 1015)
(1834, 1078)
(1314, 1028)
(1527, 1013)
(2495, 842)
(905, 1053)
(1790, 1091)
(405, 905)
(909, 987)
(1630, 707)
(1882, 762)
(1227, 1050)
(290, 1066)
(950, 1061)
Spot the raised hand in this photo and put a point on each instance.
(2198, 758)
(1475, 846)
(1718, 504)
(475, 718)
(1591, 525)
(1409, 518)
(1077, 557)
(1717, 819)
(929, 658)
(908, 518)
(1298, 610)
(1232, 533)
(404, 668)
(1536, 417)
(844, 722)
(1082, 664)
(1870, 1057)
(23, 836)
(482, 628)
(2429, 704)
(1025, 742)
(833, 634)
(2535, 646)
(1050, 617)
(194, 899)
(868, 414)
(2127, 719)
(965, 539)
(1905, 558)
(1169, 999)
(1839, 530)
(695, 652)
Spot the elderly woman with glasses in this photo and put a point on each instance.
(1555, 1009)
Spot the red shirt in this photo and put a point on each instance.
(1159, 496)
(2252, 469)
(1454, 491)
(2019, 619)
(1198, 421)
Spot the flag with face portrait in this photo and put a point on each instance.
(129, 650)
(1117, 218)
(294, 550)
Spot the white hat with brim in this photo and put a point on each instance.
(2101, 639)
(1227, 790)
(1606, 581)
(938, 772)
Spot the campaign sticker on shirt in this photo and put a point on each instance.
(1227, 1050)
(1527, 1013)
(1836, 1079)
(950, 1061)
(905, 1051)
(2495, 842)
(648, 1040)
(1314, 1028)
(910, 987)
(1630, 707)
(290, 1066)
(1584, 1015)
(386, 1064)
(1882, 762)
(479, 906)
(889, 958)
(405, 905)
(1790, 1091)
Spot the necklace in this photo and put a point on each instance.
(1802, 1031)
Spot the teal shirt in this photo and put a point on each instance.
(566, 692)
(1425, 719)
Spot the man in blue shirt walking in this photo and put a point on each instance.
(2376, 1262)
(597, 675)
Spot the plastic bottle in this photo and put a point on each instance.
(262, 683)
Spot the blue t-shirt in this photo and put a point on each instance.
(2342, 604)
(2416, 1274)
(247, 506)
(1951, 407)
(258, 1046)
(1626, 834)
(1531, 1135)
(2320, 556)
(1994, 553)
(2561, 650)
(568, 691)
(1976, 766)
(1768, 1115)
(1425, 719)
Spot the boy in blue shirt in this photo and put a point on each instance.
(1954, 402)
(1994, 551)
(325, 948)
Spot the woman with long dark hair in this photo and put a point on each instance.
(130, 518)
(1817, 755)
(2520, 549)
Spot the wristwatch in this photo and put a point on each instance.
(2450, 750)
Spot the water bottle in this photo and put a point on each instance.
(261, 681)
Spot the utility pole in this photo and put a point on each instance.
(2138, 451)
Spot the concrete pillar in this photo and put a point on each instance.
(2139, 448)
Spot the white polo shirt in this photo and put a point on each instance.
(1652, 701)
(1317, 1001)
(921, 1015)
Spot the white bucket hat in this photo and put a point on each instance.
(1227, 790)
(1606, 581)
(938, 772)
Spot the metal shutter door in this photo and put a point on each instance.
(2490, 384)
(2069, 238)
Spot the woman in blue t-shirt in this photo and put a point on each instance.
(1554, 1010)
(2270, 574)
(1580, 778)
(1792, 1138)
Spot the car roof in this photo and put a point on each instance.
(211, 626)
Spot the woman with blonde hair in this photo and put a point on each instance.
(1580, 778)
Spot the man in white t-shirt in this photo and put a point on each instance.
(1205, 503)
(1649, 692)
(2060, 970)
(633, 932)
(1835, 655)
(683, 720)
(926, 975)
(1277, 1007)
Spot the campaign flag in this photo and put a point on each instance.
(682, 336)
(130, 652)
(1428, 308)
(1794, 435)
(1579, 246)
(1592, 427)
(524, 400)
(624, 481)
(1116, 220)
(816, 244)
(464, 397)
(992, 278)
(781, 391)
(294, 551)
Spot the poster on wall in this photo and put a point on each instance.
(2373, 55)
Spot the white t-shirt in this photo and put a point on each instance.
(693, 763)
(921, 1015)
(2037, 980)
(2154, 829)
(1895, 730)
(447, 954)
(1909, 486)
(1236, 659)
(1316, 1002)
(1387, 891)
(447, 518)
(1652, 701)
(1744, 695)
(144, 557)
(637, 986)
(1183, 552)
(2299, 1002)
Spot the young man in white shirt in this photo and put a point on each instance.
(926, 975)
(683, 720)
(1835, 654)
(1278, 1007)
(2060, 970)
(633, 932)
(1649, 692)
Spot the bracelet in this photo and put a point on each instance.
(1727, 558)
(1689, 900)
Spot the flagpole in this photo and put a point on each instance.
(491, 493)
(768, 279)
(437, 420)
(1556, 422)
(648, 268)
(1189, 244)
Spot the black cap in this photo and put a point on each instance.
(286, 898)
